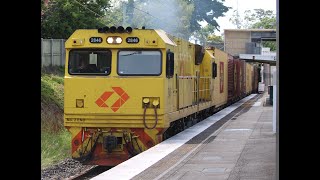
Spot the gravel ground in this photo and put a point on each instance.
(63, 170)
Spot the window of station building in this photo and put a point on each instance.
(139, 62)
(89, 62)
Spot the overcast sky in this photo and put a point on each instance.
(242, 6)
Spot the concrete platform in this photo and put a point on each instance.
(237, 144)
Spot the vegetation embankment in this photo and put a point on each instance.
(55, 139)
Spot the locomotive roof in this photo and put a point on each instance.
(165, 37)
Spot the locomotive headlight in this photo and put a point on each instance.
(114, 40)
(110, 40)
(118, 40)
(146, 100)
(150, 102)
(79, 103)
(155, 103)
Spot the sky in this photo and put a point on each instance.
(243, 5)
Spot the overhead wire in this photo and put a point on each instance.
(150, 15)
(88, 9)
(134, 8)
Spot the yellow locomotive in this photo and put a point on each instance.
(127, 90)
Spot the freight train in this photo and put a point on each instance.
(126, 90)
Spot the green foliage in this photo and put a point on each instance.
(207, 11)
(215, 39)
(241, 23)
(206, 34)
(271, 44)
(261, 13)
(114, 17)
(62, 17)
(42, 4)
(214, 8)
(52, 88)
(262, 19)
(265, 23)
(54, 147)
(55, 139)
(177, 17)
(259, 19)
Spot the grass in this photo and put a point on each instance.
(52, 88)
(54, 147)
(55, 139)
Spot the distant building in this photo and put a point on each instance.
(246, 44)
(246, 41)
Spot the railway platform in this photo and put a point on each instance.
(236, 143)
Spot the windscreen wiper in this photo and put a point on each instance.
(136, 52)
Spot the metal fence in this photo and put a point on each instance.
(52, 52)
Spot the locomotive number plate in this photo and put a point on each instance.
(132, 39)
(95, 40)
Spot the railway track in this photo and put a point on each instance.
(90, 173)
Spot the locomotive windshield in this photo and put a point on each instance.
(139, 62)
(90, 61)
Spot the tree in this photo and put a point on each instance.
(114, 16)
(203, 33)
(62, 17)
(206, 10)
(259, 19)
(265, 23)
(265, 20)
(242, 23)
(177, 17)
(215, 39)
(172, 16)
(42, 4)
(206, 35)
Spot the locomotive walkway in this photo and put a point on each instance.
(238, 145)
